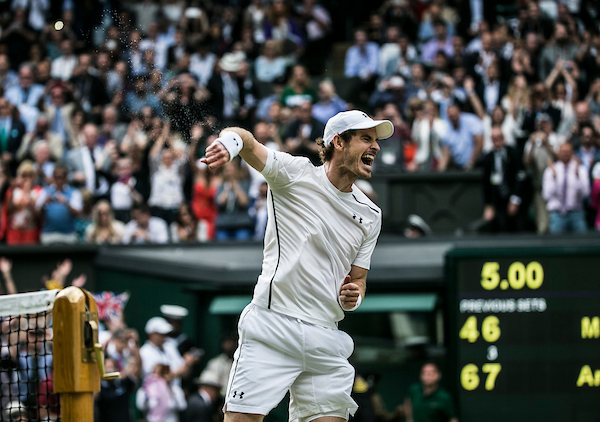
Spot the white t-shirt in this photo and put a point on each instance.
(314, 234)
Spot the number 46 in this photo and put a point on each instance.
(490, 329)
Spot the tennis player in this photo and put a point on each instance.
(320, 235)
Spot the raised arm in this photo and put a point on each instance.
(252, 151)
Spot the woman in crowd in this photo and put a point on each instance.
(427, 131)
(104, 228)
(233, 201)
(186, 228)
(23, 226)
(205, 187)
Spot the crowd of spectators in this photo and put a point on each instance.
(106, 109)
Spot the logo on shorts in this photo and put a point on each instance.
(235, 394)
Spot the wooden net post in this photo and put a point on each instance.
(78, 359)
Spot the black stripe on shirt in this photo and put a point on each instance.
(362, 203)
(278, 249)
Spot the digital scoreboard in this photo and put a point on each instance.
(525, 333)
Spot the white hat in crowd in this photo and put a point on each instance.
(355, 119)
(158, 325)
(209, 377)
(230, 62)
(173, 311)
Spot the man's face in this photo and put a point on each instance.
(582, 112)
(587, 137)
(497, 138)
(26, 77)
(4, 108)
(358, 154)
(60, 178)
(430, 376)
(90, 134)
(565, 153)
(453, 115)
(440, 32)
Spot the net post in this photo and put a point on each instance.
(76, 373)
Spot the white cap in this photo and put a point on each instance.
(158, 325)
(209, 377)
(416, 221)
(355, 119)
(173, 311)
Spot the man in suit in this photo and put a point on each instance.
(504, 186)
(89, 89)
(303, 132)
(12, 131)
(59, 112)
(491, 89)
(90, 163)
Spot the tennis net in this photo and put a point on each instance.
(26, 382)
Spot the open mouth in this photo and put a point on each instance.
(367, 159)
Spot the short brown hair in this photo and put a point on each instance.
(326, 152)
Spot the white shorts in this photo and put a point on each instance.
(277, 353)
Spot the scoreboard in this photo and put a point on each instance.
(525, 333)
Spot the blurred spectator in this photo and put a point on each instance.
(505, 207)
(427, 131)
(202, 62)
(157, 350)
(426, 400)
(58, 205)
(398, 151)
(270, 64)
(582, 117)
(8, 77)
(541, 148)
(139, 98)
(178, 48)
(60, 111)
(41, 136)
(104, 228)
(588, 153)
(6, 270)
(43, 167)
(389, 90)
(23, 225)
(445, 93)
(90, 163)
(427, 25)
(18, 36)
(560, 47)
(400, 60)
(303, 132)
(123, 193)
(281, 25)
(143, 228)
(27, 92)
(219, 367)
(441, 41)
(539, 102)
(175, 315)
(463, 141)
(63, 65)
(12, 131)
(299, 88)
(203, 403)
(186, 228)
(167, 165)
(233, 201)
(565, 185)
(88, 88)
(315, 22)
(113, 401)
(329, 103)
(111, 128)
(563, 90)
(160, 398)
(533, 21)
(362, 63)
(227, 100)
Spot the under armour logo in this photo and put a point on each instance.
(359, 218)
(235, 393)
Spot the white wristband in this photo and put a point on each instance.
(232, 143)
(358, 302)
